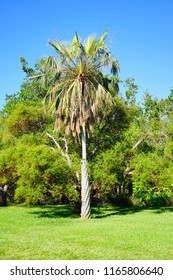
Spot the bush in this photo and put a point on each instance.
(108, 179)
(44, 176)
(152, 180)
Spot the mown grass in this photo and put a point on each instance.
(57, 233)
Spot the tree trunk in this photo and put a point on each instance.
(120, 189)
(85, 188)
(4, 196)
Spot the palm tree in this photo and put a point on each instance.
(78, 92)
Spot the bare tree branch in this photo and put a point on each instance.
(128, 170)
(64, 154)
(139, 142)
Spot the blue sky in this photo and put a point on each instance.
(140, 36)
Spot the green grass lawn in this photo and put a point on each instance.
(57, 233)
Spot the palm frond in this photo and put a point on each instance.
(115, 67)
(90, 45)
(75, 42)
(101, 41)
(63, 51)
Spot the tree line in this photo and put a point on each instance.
(68, 110)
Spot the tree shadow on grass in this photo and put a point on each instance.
(56, 211)
(160, 210)
(103, 212)
(69, 211)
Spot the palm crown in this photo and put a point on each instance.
(78, 92)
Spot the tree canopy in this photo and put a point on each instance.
(130, 149)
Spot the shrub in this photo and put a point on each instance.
(152, 180)
(44, 176)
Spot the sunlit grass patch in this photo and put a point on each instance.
(57, 232)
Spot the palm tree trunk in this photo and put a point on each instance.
(85, 188)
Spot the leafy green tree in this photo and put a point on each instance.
(79, 92)
(153, 180)
(108, 172)
(109, 128)
(151, 165)
(25, 119)
(43, 176)
(34, 171)
(113, 142)
(23, 128)
(8, 175)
